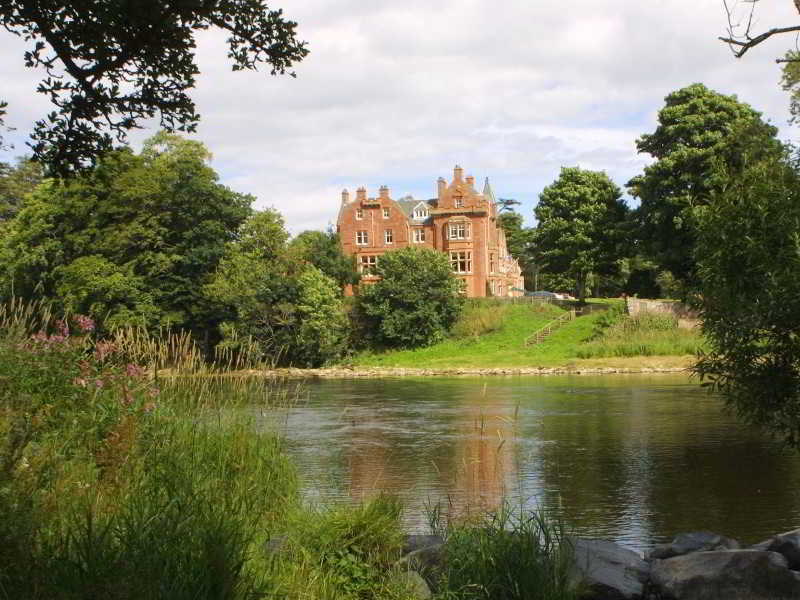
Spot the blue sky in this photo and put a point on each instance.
(397, 93)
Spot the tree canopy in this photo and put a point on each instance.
(289, 309)
(581, 225)
(110, 65)
(16, 182)
(324, 251)
(129, 242)
(748, 251)
(697, 146)
(416, 301)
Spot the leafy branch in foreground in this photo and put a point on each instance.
(110, 65)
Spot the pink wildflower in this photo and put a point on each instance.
(84, 323)
(133, 370)
(100, 383)
(79, 381)
(63, 328)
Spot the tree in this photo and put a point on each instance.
(581, 218)
(519, 241)
(740, 36)
(110, 65)
(16, 182)
(507, 204)
(696, 150)
(143, 230)
(416, 301)
(748, 250)
(323, 250)
(290, 309)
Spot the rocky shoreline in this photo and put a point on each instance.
(695, 566)
(375, 372)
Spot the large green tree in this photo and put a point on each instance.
(581, 226)
(748, 250)
(324, 250)
(416, 301)
(16, 182)
(697, 146)
(131, 241)
(290, 310)
(111, 65)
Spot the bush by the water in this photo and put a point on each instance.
(415, 303)
(646, 334)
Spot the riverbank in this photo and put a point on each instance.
(630, 366)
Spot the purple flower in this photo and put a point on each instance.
(84, 323)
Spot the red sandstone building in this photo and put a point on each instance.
(459, 222)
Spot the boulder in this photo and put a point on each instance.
(696, 541)
(728, 574)
(413, 584)
(415, 541)
(787, 544)
(608, 571)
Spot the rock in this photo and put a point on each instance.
(413, 583)
(696, 541)
(787, 544)
(609, 571)
(414, 542)
(428, 560)
(728, 574)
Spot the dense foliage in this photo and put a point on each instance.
(581, 225)
(111, 65)
(697, 146)
(748, 252)
(324, 251)
(289, 308)
(130, 242)
(416, 301)
(16, 182)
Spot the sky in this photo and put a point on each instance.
(397, 93)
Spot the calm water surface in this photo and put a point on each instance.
(634, 459)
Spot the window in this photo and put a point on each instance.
(492, 264)
(420, 213)
(459, 231)
(388, 236)
(359, 213)
(385, 213)
(362, 238)
(461, 262)
(368, 265)
(419, 236)
(459, 201)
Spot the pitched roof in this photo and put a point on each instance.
(409, 203)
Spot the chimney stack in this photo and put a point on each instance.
(470, 180)
(345, 196)
(440, 187)
(384, 192)
(361, 194)
(458, 173)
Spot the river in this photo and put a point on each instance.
(634, 459)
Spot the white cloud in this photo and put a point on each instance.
(397, 93)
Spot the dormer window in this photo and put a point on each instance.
(420, 212)
(459, 201)
(385, 213)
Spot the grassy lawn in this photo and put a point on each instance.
(503, 347)
(503, 344)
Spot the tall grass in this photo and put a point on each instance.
(110, 487)
(479, 317)
(646, 334)
(509, 554)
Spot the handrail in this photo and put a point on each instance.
(539, 335)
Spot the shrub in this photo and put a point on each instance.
(480, 317)
(415, 303)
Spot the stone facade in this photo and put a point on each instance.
(460, 222)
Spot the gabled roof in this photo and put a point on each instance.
(409, 203)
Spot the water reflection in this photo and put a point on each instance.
(634, 459)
